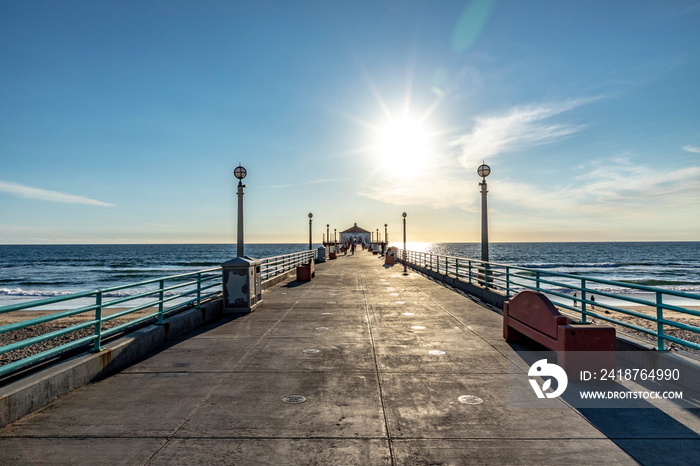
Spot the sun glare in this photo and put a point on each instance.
(403, 146)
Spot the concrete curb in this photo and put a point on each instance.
(491, 297)
(277, 279)
(24, 396)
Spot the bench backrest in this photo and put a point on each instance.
(535, 310)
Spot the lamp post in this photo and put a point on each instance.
(386, 234)
(335, 239)
(310, 217)
(484, 171)
(240, 173)
(404, 243)
(241, 278)
(328, 234)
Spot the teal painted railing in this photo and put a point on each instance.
(572, 293)
(277, 265)
(180, 291)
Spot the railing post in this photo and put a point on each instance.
(584, 317)
(507, 282)
(457, 267)
(199, 290)
(160, 304)
(486, 276)
(98, 323)
(659, 325)
(470, 272)
(537, 281)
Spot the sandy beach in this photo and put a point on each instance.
(651, 325)
(51, 326)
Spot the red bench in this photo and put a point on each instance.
(531, 314)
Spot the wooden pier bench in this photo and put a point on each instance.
(531, 314)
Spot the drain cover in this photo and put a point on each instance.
(418, 327)
(321, 328)
(294, 399)
(311, 351)
(436, 352)
(408, 313)
(470, 400)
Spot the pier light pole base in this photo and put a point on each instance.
(241, 285)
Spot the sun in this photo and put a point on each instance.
(403, 146)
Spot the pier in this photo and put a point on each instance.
(362, 365)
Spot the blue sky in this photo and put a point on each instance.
(122, 122)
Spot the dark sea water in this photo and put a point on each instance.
(38, 271)
(670, 265)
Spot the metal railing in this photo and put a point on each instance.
(152, 295)
(277, 265)
(572, 293)
(99, 310)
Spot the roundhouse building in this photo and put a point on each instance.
(355, 234)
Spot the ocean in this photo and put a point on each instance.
(30, 272)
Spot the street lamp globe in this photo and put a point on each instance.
(483, 170)
(240, 172)
(310, 215)
(403, 215)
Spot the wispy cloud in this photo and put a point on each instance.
(29, 192)
(695, 149)
(619, 187)
(518, 129)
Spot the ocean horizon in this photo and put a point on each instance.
(30, 272)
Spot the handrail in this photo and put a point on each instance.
(277, 265)
(190, 288)
(510, 279)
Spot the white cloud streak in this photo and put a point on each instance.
(694, 149)
(520, 128)
(29, 192)
(619, 188)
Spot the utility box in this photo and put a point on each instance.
(241, 285)
(321, 254)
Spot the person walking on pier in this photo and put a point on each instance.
(352, 248)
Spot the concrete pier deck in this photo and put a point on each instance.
(381, 359)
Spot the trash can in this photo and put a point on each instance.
(390, 256)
